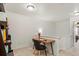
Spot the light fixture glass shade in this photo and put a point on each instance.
(76, 14)
(30, 7)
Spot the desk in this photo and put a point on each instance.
(48, 41)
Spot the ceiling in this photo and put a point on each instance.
(44, 11)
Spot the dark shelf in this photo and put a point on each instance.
(4, 25)
(8, 43)
(2, 7)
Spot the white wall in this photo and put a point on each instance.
(63, 31)
(22, 28)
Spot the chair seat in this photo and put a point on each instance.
(42, 47)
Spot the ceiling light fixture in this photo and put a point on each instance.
(30, 7)
(76, 12)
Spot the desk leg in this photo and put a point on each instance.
(52, 48)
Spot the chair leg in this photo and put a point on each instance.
(36, 52)
(33, 46)
(39, 53)
(33, 51)
(42, 52)
(45, 52)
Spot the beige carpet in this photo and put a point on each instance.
(27, 52)
(69, 52)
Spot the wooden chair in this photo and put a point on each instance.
(38, 47)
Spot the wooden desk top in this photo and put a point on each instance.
(47, 41)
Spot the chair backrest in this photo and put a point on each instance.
(36, 43)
